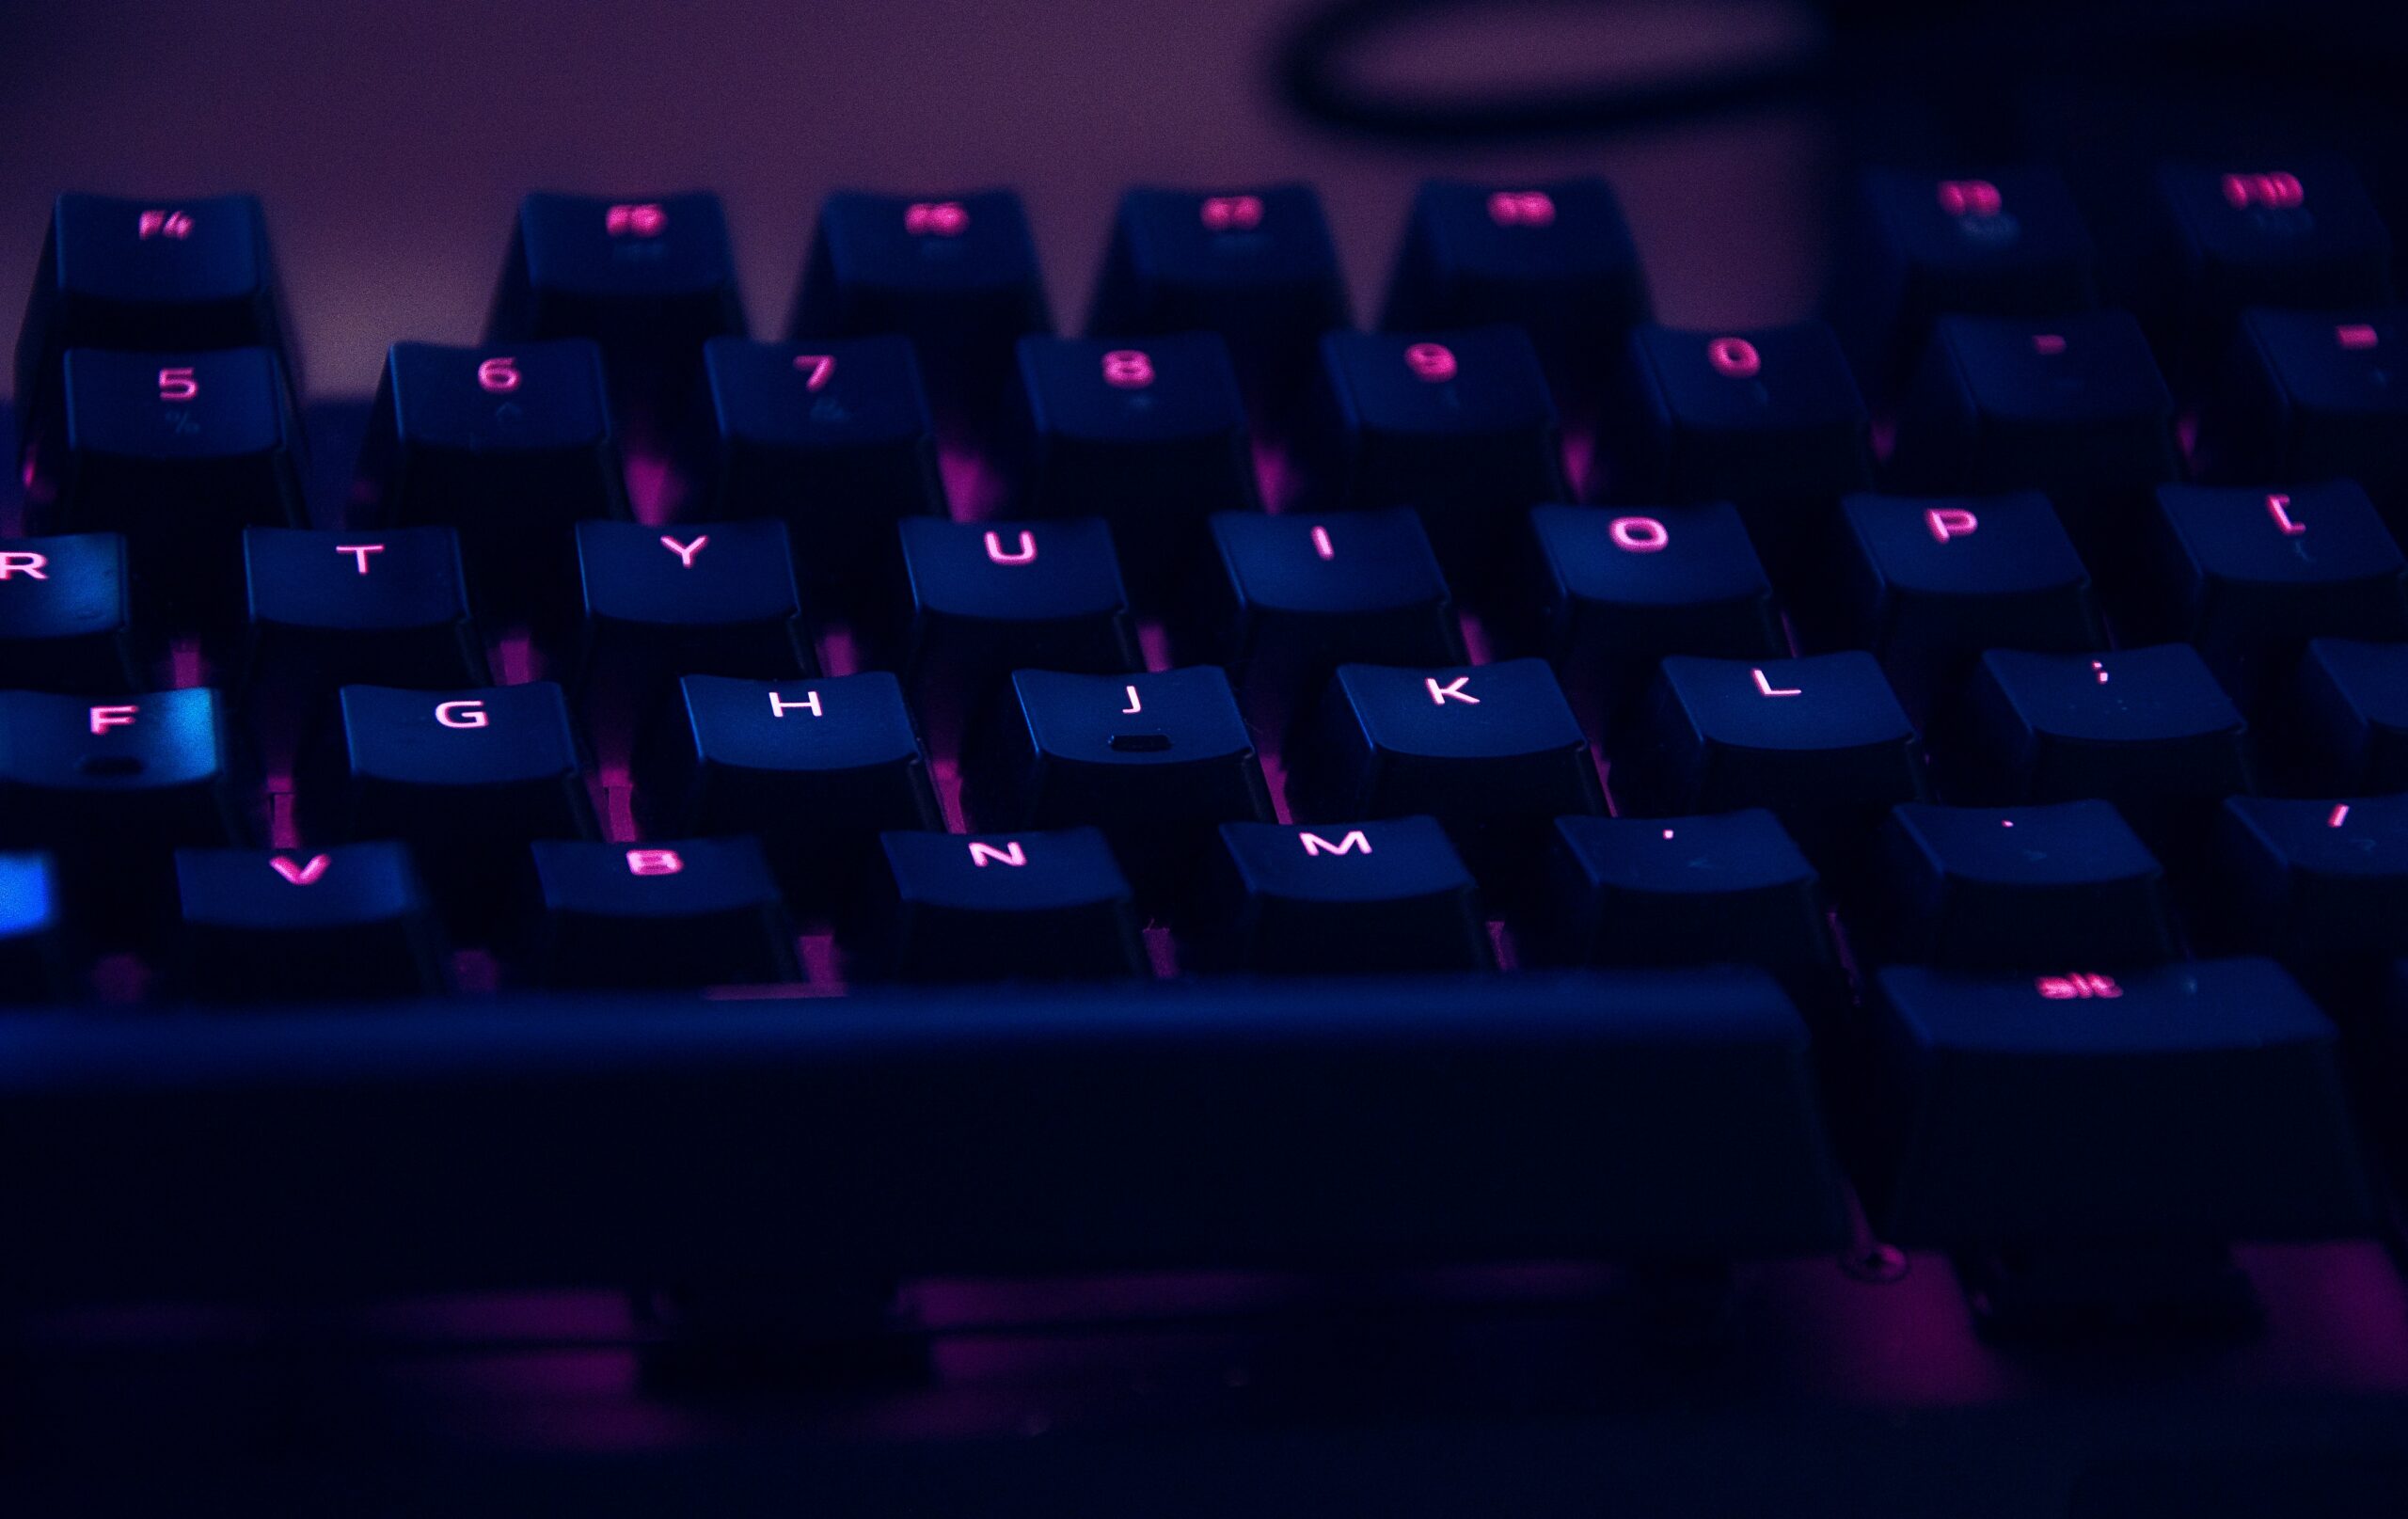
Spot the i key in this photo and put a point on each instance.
(1376, 897)
(36, 955)
(2022, 888)
(2348, 717)
(989, 906)
(66, 615)
(687, 912)
(711, 599)
(2305, 235)
(351, 921)
(332, 607)
(2313, 395)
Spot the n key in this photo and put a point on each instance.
(351, 921)
(1388, 897)
(989, 906)
(687, 912)
(66, 615)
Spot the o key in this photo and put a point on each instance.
(1733, 357)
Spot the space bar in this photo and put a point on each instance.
(586, 1140)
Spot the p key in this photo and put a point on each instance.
(1385, 896)
(351, 921)
(687, 912)
(66, 615)
(1035, 905)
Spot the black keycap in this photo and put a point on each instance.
(351, 921)
(1686, 891)
(66, 615)
(989, 598)
(1148, 434)
(2348, 717)
(1928, 584)
(1492, 751)
(36, 953)
(147, 275)
(1457, 424)
(2197, 1102)
(1821, 741)
(1299, 595)
(715, 598)
(957, 274)
(999, 905)
(1256, 266)
(832, 436)
(2305, 236)
(818, 768)
(687, 912)
(1388, 897)
(2313, 395)
(2070, 405)
(2022, 889)
(1553, 259)
(332, 607)
(2249, 575)
(2319, 883)
(467, 778)
(2005, 243)
(509, 445)
(1155, 760)
(1617, 590)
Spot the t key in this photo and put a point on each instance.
(332, 607)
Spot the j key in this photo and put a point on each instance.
(1618, 590)
(1256, 266)
(2070, 405)
(2249, 575)
(2350, 705)
(110, 787)
(1686, 890)
(818, 768)
(332, 607)
(2197, 1102)
(467, 778)
(346, 921)
(957, 274)
(1553, 259)
(1928, 584)
(997, 905)
(989, 598)
(508, 445)
(148, 274)
(1457, 424)
(2307, 236)
(1368, 897)
(1493, 752)
(712, 599)
(1155, 760)
(834, 438)
(35, 953)
(2147, 729)
(2022, 887)
(1301, 594)
(2321, 884)
(1821, 741)
(1148, 434)
(2313, 395)
(2008, 244)
(685, 913)
(66, 615)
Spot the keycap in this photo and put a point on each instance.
(1298, 595)
(2319, 883)
(991, 906)
(36, 953)
(330, 607)
(711, 599)
(1821, 741)
(2007, 241)
(2147, 729)
(1149, 434)
(957, 274)
(1155, 759)
(1493, 751)
(2022, 889)
(1553, 258)
(1457, 424)
(833, 437)
(989, 598)
(349, 921)
(1928, 583)
(2305, 236)
(2249, 575)
(67, 616)
(1365, 898)
(2312, 395)
(818, 768)
(508, 445)
(179, 274)
(2349, 716)
(1255, 265)
(2193, 1101)
(1714, 890)
(109, 786)
(467, 778)
(685, 912)
(1614, 590)
(2071, 405)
